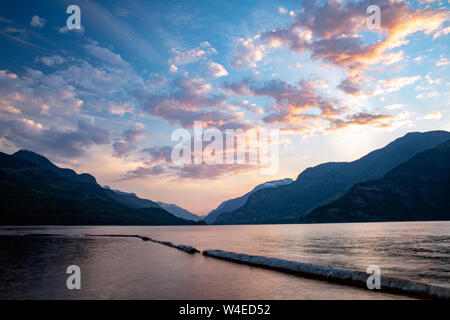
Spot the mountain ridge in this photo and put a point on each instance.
(415, 190)
(327, 181)
(33, 191)
(129, 199)
(42, 161)
(179, 211)
(235, 203)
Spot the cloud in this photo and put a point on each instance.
(187, 100)
(340, 42)
(252, 107)
(186, 56)
(394, 106)
(36, 94)
(351, 85)
(61, 96)
(119, 108)
(14, 30)
(65, 30)
(247, 53)
(106, 55)
(442, 32)
(131, 137)
(6, 109)
(52, 61)
(297, 39)
(158, 154)
(214, 172)
(282, 10)
(362, 118)
(160, 164)
(191, 172)
(143, 171)
(70, 89)
(290, 100)
(433, 115)
(443, 61)
(173, 68)
(104, 80)
(26, 133)
(214, 70)
(428, 95)
(428, 83)
(332, 32)
(301, 109)
(394, 84)
(37, 22)
(46, 109)
(192, 93)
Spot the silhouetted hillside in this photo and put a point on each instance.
(33, 191)
(326, 182)
(417, 189)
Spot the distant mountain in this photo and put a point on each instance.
(129, 199)
(236, 203)
(133, 201)
(179, 212)
(418, 189)
(325, 182)
(33, 191)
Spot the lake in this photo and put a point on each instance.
(129, 268)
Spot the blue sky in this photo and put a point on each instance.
(106, 99)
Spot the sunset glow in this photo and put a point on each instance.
(106, 98)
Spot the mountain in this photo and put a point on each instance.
(129, 199)
(133, 201)
(45, 163)
(236, 203)
(415, 190)
(327, 181)
(33, 191)
(179, 212)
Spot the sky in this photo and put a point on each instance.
(106, 98)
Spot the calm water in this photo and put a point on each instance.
(128, 268)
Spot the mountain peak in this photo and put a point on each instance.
(42, 161)
(415, 133)
(32, 156)
(236, 203)
(423, 135)
(28, 152)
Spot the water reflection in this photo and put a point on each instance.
(34, 267)
(126, 268)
